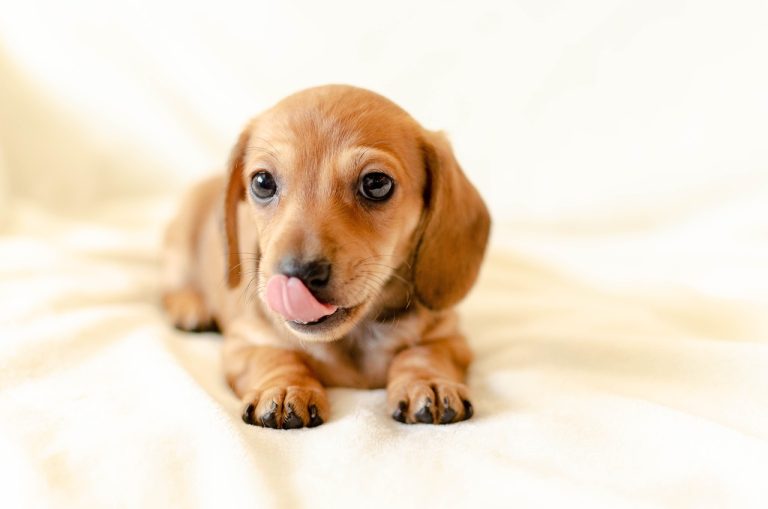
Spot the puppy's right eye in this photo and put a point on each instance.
(263, 185)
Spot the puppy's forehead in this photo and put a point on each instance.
(321, 123)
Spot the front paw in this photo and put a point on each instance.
(286, 407)
(429, 401)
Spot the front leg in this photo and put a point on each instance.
(426, 383)
(277, 388)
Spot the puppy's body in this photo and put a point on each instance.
(392, 268)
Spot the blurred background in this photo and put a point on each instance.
(555, 108)
(596, 117)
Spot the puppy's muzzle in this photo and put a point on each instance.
(296, 290)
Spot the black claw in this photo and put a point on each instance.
(399, 414)
(468, 410)
(425, 414)
(248, 414)
(291, 420)
(314, 418)
(448, 415)
(269, 419)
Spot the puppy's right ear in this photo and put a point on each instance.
(233, 195)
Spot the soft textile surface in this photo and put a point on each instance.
(586, 394)
(620, 324)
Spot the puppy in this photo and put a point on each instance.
(331, 254)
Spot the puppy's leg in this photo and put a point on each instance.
(182, 299)
(426, 383)
(276, 386)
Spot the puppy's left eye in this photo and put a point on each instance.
(376, 186)
(263, 185)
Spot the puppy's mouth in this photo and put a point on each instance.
(322, 324)
(291, 299)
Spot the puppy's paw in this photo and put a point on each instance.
(187, 310)
(429, 401)
(286, 407)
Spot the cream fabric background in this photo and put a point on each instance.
(620, 325)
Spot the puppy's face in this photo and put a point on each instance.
(335, 181)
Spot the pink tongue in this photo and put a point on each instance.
(291, 299)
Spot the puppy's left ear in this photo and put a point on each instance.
(234, 193)
(454, 232)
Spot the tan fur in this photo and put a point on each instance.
(397, 267)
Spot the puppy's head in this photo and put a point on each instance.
(353, 207)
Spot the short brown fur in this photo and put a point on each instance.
(398, 267)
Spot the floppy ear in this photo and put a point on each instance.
(454, 232)
(233, 194)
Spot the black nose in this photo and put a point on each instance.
(314, 274)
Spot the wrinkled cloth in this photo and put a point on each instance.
(589, 391)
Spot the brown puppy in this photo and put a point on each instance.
(331, 254)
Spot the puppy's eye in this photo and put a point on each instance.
(263, 185)
(376, 186)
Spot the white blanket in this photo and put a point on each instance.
(584, 396)
(620, 324)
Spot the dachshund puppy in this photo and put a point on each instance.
(331, 254)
